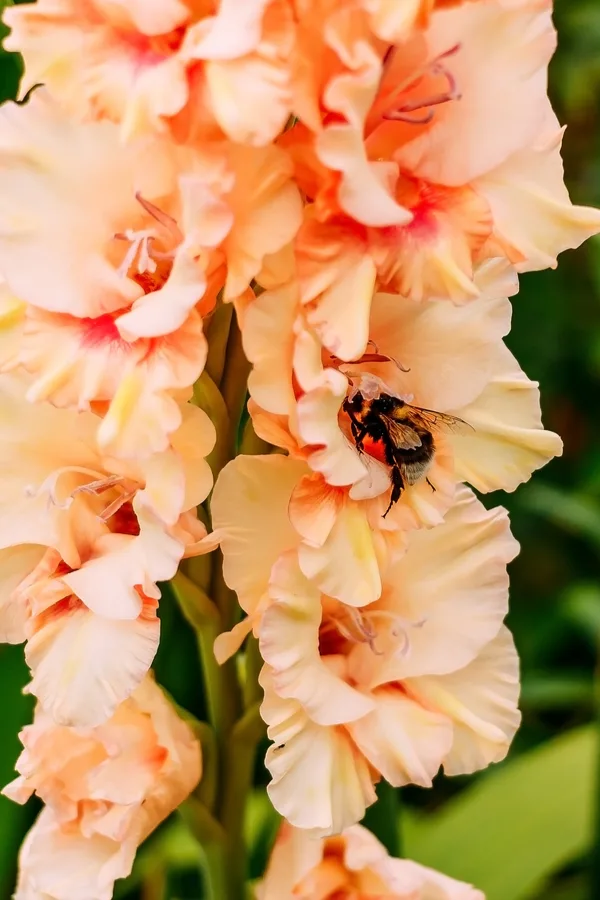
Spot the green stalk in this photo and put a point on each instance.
(239, 765)
(222, 690)
(234, 386)
(217, 334)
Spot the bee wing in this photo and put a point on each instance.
(402, 435)
(437, 421)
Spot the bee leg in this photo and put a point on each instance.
(359, 433)
(397, 488)
(434, 489)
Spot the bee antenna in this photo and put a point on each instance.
(372, 343)
(398, 365)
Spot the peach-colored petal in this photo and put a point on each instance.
(341, 148)
(268, 343)
(318, 410)
(249, 509)
(247, 68)
(314, 507)
(84, 665)
(533, 214)
(318, 781)
(509, 441)
(106, 789)
(454, 612)
(289, 644)
(108, 59)
(481, 700)
(345, 566)
(499, 70)
(93, 863)
(268, 212)
(402, 739)
(53, 253)
(106, 582)
(353, 861)
(433, 255)
(16, 564)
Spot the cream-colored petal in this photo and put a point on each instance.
(449, 591)
(16, 564)
(268, 339)
(84, 665)
(289, 644)
(446, 349)
(319, 781)
(337, 458)
(508, 442)
(481, 700)
(57, 864)
(499, 69)
(533, 214)
(249, 509)
(403, 739)
(345, 566)
(107, 582)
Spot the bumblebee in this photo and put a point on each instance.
(398, 434)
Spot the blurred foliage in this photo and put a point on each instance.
(526, 829)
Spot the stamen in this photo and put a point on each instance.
(116, 505)
(403, 113)
(139, 244)
(162, 217)
(366, 358)
(362, 629)
(99, 486)
(49, 486)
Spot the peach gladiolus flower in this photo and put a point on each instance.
(120, 257)
(197, 67)
(105, 790)
(443, 154)
(117, 60)
(354, 865)
(83, 541)
(422, 676)
(425, 676)
(452, 360)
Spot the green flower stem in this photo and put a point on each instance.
(212, 840)
(217, 333)
(239, 768)
(234, 386)
(209, 398)
(222, 689)
(252, 691)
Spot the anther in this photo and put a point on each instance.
(403, 113)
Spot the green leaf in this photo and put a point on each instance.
(383, 818)
(575, 513)
(517, 826)
(581, 604)
(551, 690)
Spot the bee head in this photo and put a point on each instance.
(355, 401)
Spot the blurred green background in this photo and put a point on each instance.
(530, 827)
